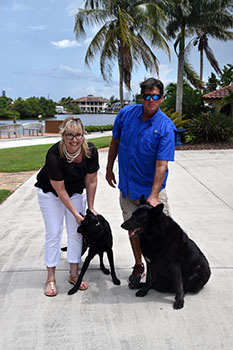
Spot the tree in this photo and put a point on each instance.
(217, 27)
(69, 105)
(122, 36)
(203, 46)
(226, 77)
(212, 83)
(193, 103)
(185, 17)
(34, 106)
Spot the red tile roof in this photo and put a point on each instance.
(90, 98)
(218, 94)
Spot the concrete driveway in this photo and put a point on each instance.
(105, 316)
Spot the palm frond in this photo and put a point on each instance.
(88, 18)
(109, 53)
(149, 59)
(211, 58)
(192, 76)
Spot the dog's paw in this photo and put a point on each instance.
(178, 304)
(141, 293)
(72, 291)
(116, 281)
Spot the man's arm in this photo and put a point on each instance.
(160, 170)
(112, 154)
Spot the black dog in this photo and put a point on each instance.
(98, 235)
(174, 262)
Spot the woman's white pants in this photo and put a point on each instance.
(54, 212)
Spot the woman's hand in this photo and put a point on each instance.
(79, 218)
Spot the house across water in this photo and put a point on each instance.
(92, 104)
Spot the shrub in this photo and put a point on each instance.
(210, 127)
(94, 128)
(178, 120)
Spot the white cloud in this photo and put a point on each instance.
(40, 27)
(67, 72)
(63, 44)
(14, 6)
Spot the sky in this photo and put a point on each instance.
(40, 55)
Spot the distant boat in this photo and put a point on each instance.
(61, 110)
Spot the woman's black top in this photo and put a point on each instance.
(57, 168)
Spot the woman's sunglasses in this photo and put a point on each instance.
(154, 97)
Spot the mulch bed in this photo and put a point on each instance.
(206, 146)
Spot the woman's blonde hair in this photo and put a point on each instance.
(73, 125)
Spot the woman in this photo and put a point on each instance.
(67, 180)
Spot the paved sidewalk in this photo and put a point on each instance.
(111, 317)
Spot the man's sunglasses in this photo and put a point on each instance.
(71, 136)
(154, 97)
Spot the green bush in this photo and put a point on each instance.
(178, 120)
(210, 127)
(193, 103)
(94, 128)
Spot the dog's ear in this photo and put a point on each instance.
(80, 229)
(88, 212)
(143, 200)
(156, 211)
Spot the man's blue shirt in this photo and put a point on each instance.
(141, 145)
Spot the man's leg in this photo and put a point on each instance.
(127, 207)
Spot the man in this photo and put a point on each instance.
(144, 140)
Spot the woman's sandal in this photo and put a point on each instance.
(50, 289)
(73, 280)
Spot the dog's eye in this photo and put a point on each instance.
(97, 224)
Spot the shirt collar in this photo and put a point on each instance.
(151, 120)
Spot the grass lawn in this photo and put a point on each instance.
(4, 194)
(33, 157)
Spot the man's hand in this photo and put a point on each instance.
(110, 177)
(94, 211)
(153, 201)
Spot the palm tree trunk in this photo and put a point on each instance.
(180, 74)
(201, 64)
(120, 66)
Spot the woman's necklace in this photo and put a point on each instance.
(71, 156)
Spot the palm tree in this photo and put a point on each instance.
(220, 19)
(184, 18)
(202, 41)
(124, 29)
